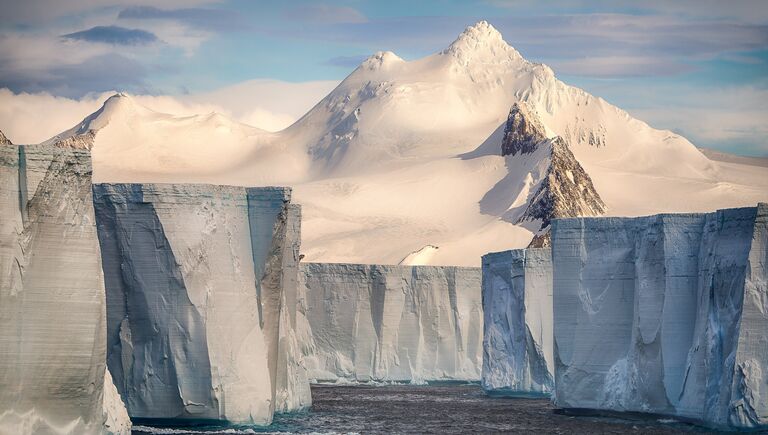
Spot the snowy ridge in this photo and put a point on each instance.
(405, 154)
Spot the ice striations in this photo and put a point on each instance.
(517, 306)
(198, 282)
(393, 323)
(53, 377)
(665, 314)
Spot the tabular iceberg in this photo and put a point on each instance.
(198, 287)
(517, 306)
(665, 314)
(393, 323)
(53, 376)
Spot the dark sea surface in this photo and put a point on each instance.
(437, 409)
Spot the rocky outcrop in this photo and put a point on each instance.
(565, 191)
(517, 306)
(4, 140)
(374, 323)
(559, 187)
(523, 131)
(664, 314)
(53, 376)
(199, 318)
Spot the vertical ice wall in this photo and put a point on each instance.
(197, 279)
(52, 300)
(293, 391)
(665, 314)
(393, 323)
(517, 307)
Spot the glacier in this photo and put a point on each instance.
(665, 314)
(381, 323)
(200, 286)
(53, 377)
(518, 349)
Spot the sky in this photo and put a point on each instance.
(697, 67)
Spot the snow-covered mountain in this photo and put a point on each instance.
(412, 160)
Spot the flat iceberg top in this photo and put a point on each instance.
(670, 218)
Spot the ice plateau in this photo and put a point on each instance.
(374, 323)
(53, 377)
(664, 314)
(201, 288)
(428, 139)
(517, 305)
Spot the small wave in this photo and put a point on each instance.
(171, 431)
(667, 421)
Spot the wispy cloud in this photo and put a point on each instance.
(44, 11)
(348, 61)
(219, 20)
(114, 35)
(94, 74)
(620, 66)
(268, 104)
(753, 11)
(325, 14)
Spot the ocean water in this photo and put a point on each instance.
(438, 409)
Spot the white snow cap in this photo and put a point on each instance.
(481, 42)
(381, 60)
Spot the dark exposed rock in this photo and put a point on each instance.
(4, 140)
(82, 141)
(523, 131)
(541, 240)
(565, 189)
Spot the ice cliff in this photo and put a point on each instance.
(666, 314)
(393, 323)
(517, 306)
(53, 377)
(201, 282)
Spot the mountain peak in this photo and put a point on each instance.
(482, 31)
(481, 42)
(381, 60)
(83, 134)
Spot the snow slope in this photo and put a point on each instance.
(404, 155)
